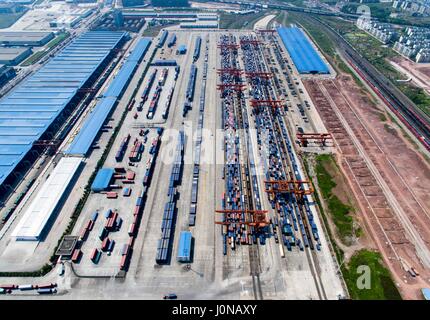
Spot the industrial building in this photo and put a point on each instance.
(25, 38)
(13, 56)
(102, 180)
(82, 142)
(6, 73)
(199, 25)
(305, 57)
(65, 22)
(164, 63)
(34, 109)
(40, 213)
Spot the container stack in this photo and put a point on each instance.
(169, 214)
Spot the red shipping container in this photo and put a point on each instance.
(105, 244)
(94, 254)
(76, 255)
(83, 234)
(130, 175)
(123, 261)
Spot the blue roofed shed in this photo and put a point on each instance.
(30, 108)
(81, 144)
(304, 55)
(102, 180)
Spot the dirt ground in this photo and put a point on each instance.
(419, 72)
(389, 179)
(344, 193)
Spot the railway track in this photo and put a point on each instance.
(410, 115)
(254, 60)
(238, 160)
(399, 232)
(411, 221)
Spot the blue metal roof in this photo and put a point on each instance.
(304, 55)
(83, 140)
(46, 93)
(102, 179)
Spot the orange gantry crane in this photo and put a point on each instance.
(296, 187)
(231, 71)
(255, 218)
(228, 45)
(256, 74)
(263, 103)
(233, 86)
(255, 42)
(321, 138)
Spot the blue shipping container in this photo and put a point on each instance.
(184, 250)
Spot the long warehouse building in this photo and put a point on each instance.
(40, 214)
(305, 57)
(81, 144)
(34, 110)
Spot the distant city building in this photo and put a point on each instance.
(414, 44)
(382, 31)
(413, 6)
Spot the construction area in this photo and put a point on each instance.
(177, 164)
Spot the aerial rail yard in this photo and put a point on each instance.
(183, 165)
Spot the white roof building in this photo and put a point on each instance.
(35, 219)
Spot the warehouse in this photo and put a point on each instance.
(65, 22)
(199, 25)
(13, 56)
(82, 142)
(300, 49)
(164, 63)
(6, 73)
(32, 109)
(40, 213)
(25, 38)
(207, 17)
(102, 180)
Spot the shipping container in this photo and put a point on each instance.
(24, 287)
(95, 256)
(76, 255)
(46, 290)
(111, 195)
(184, 248)
(94, 216)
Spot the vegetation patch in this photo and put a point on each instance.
(382, 286)
(339, 211)
(235, 21)
(49, 46)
